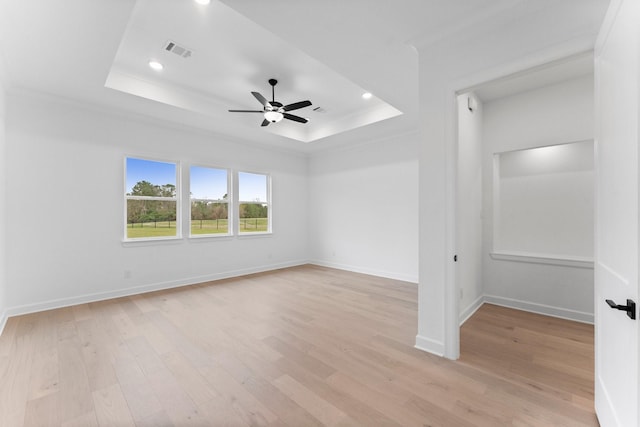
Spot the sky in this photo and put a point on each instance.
(158, 173)
(252, 187)
(206, 183)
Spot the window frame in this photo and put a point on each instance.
(268, 202)
(177, 200)
(229, 202)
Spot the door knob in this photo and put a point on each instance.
(630, 308)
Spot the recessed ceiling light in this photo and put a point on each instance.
(367, 95)
(203, 2)
(156, 65)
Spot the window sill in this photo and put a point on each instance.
(151, 241)
(566, 261)
(195, 238)
(256, 234)
(203, 237)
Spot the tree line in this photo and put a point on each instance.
(146, 211)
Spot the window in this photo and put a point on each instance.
(209, 201)
(254, 200)
(154, 206)
(151, 195)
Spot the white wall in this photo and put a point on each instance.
(503, 44)
(364, 208)
(3, 200)
(65, 183)
(543, 201)
(65, 187)
(552, 115)
(469, 206)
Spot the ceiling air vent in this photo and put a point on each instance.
(177, 49)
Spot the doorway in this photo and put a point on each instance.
(512, 250)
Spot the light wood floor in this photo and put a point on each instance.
(305, 346)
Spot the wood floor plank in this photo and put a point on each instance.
(189, 378)
(111, 407)
(303, 346)
(156, 420)
(322, 410)
(250, 409)
(43, 411)
(85, 420)
(44, 377)
(141, 400)
(376, 399)
(74, 389)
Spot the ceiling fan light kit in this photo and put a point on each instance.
(273, 116)
(274, 111)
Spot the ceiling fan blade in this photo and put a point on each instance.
(295, 118)
(265, 122)
(246, 111)
(296, 105)
(261, 99)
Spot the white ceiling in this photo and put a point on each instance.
(68, 48)
(546, 75)
(231, 57)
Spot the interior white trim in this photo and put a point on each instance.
(137, 117)
(3, 320)
(369, 271)
(607, 23)
(429, 345)
(562, 313)
(136, 290)
(471, 309)
(451, 285)
(547, 310)
(550, 259)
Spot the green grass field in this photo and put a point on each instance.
(208, 226)
(248, 225)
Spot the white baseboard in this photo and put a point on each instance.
(365, 270)
(470, 311)
(563, 313)
(429, 345)
(101, 296)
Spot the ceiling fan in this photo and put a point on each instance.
(274, 111)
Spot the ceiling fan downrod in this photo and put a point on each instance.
(273, 83)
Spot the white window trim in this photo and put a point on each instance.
(183, 209)
(230, 218)
(238, 202)
(178, 200)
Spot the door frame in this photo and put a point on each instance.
(467, 84)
